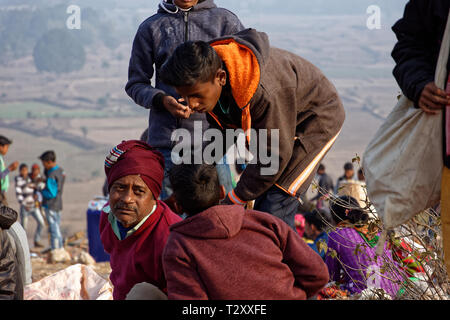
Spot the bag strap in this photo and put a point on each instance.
(441, 69)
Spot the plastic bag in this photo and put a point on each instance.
(403, 162)
(77, 282)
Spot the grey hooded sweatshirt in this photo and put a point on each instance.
(155, 40)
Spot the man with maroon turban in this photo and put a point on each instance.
(134, 225)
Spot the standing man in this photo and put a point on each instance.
(52, 197)
(175, 22)
(419, 35)
(242, 82)
(4, 171)
(325, 186)
(349, 173)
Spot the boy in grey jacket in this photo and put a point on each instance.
(175, 22)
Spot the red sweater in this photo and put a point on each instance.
(228, 253)
(138, 258)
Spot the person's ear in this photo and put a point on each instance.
(221, 77)
(223, 193)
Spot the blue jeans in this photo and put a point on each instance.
(278, 203)
(36, 214)
(54, 221)
(223, 171)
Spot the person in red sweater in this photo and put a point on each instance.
(225, 252)
(134, 225)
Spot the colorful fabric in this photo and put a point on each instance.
(135, 157)
(332, 292)
(352, 263)
(405, 256)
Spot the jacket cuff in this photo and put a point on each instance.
(157, 101)
(235, 199)
(418, 92)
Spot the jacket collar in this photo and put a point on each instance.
(167, 6)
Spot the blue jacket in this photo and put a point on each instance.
(155, 40)
(54, 185)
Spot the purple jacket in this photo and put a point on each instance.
(354, 265)
(156, 39)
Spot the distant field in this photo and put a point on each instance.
(33, 110)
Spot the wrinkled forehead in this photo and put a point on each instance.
(131, 180)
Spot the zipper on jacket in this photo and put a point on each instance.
(186, 26)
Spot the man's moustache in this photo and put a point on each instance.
(124, 207)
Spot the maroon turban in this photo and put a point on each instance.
(134, 157)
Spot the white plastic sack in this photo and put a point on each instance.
(77, 282)
(403, 162)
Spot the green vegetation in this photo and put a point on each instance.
(59, 51)
(35, 110)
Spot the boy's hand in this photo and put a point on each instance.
(177, 109)
(432, 99)
(13, 166)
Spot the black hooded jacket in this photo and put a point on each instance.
(11, 286)
(419, 35)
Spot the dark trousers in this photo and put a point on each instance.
(278, 203)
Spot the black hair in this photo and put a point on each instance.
(346, 208)
(5, 141)
(196, 187)
(192, 62)
(48, 156)
(348, 166)
(321, 167)
(23, 165)
(316, 218)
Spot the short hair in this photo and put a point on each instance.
(348, 166)
(192, 62)
(321, 167)
(347, 208)
(5, 141)
(48, 156)
(316, 218)
(196, 187)
(23, 165)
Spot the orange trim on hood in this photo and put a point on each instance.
(244, 75)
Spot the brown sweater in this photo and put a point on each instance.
(276, 89)
(229, 253)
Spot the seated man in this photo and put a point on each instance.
(11, 283)
(134, 226)
(223, 252)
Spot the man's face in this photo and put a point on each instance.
(47, 164)
(130, 200)
(203, 96)
(310, 231)
(4, 149)
(349, 174)
(24, 172)
(35, 171)
(185, 4)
